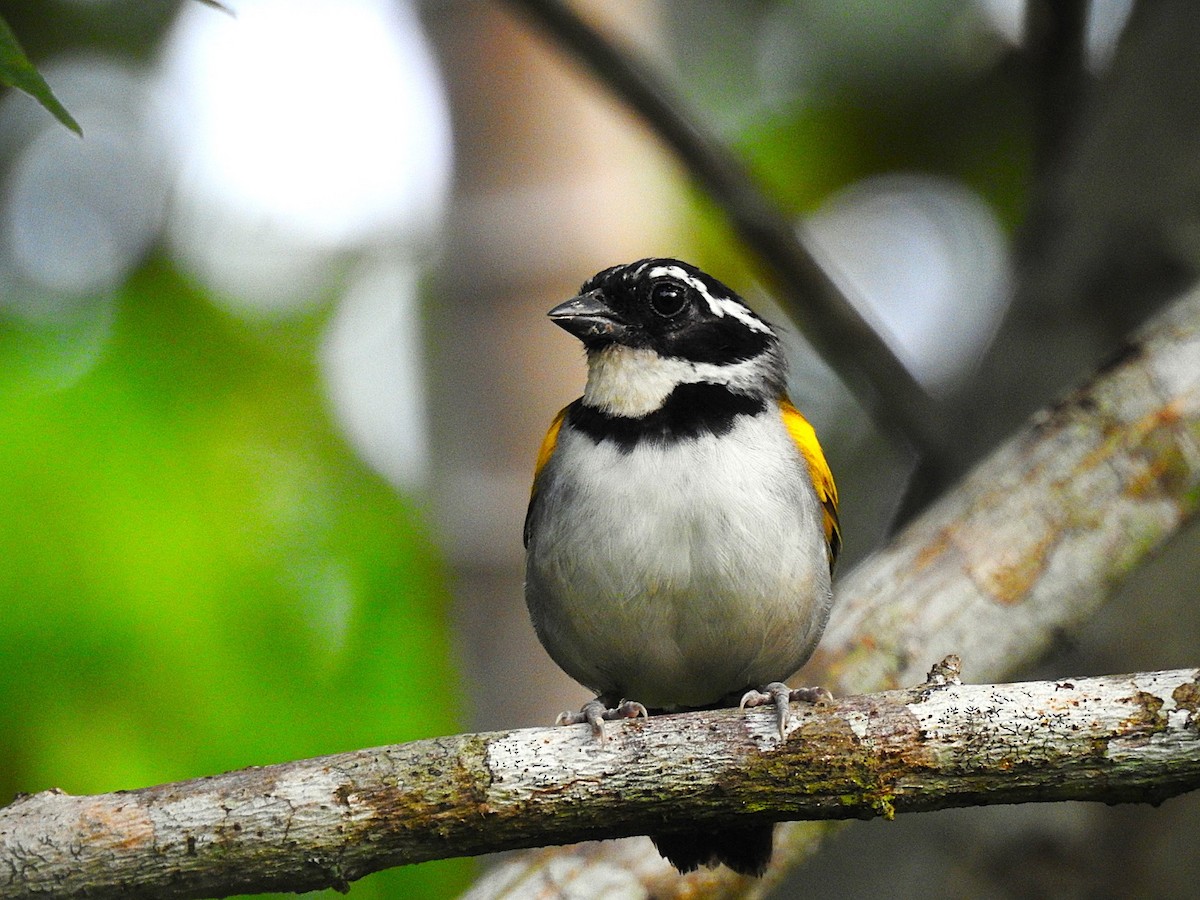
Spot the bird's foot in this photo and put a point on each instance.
(596, 713)
(781, 695)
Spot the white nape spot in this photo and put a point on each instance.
(720, 306)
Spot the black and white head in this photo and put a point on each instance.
(654, 324)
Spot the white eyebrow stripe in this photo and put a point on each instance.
(720, 306)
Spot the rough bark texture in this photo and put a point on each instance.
(323, 822)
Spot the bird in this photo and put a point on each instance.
(682, 526)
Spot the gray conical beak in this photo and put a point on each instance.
(589, 318)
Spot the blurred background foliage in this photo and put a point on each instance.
(274, 363)
(198, 574)
(197, 570)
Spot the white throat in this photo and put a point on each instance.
(633, 382)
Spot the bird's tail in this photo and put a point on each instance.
(745, 850)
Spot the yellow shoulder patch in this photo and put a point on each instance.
(549, 442)
(806, 442)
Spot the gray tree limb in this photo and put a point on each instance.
(324, 822)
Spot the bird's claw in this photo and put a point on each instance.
(780, 695)
(596, 713)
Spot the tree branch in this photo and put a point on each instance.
(841, 336)
(327, 821)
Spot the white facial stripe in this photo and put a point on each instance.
(624, 381)
(720, 306)
(679, 275)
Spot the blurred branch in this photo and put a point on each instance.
(327, 821)
(1029, 543)
(1107, 237)
(1055, 49)
(836, 329)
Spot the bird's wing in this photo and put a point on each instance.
(806, 441)
(549, 442)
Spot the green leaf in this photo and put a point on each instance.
(16, 70)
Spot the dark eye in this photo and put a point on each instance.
(668, 298)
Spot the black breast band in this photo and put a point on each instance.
(689, 412)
